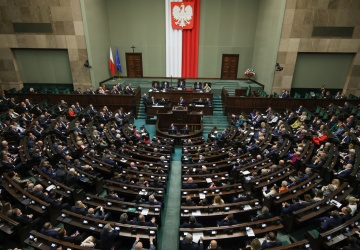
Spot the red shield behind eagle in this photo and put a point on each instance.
(182, 15)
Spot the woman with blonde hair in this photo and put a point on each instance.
(218, 201)
(254, 245)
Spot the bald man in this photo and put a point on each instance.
(213, 245)
(188, 244)
(139, 246)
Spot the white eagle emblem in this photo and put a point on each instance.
(182, 15)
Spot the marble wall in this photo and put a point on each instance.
(299, 19)
(68, 33)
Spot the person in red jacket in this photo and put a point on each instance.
(322, 137)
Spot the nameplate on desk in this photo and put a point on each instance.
(200, 106)
(158, 106)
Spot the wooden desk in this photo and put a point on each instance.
(113, 102)
(187, 94)
(94, 226)
(152, 110)
(209, 215)
(44, 242)
(180, 116)
(260, 228)
(206, 110)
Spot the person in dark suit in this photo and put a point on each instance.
(18, 216)
(74, 238)
(228, 221)
(345, 139)
(192, 223)
(181, 101)
(97, 213)
(146, 99)
(128, 90)
(189, 184)
(141, 221)
(165, 86)
(156, 86)
(197, 86)
(188, 244)
(181, 85)
(77, 91)
(265, 214)
(331, 222)
(345, 172)
(203, 170)
(72, 178)
(112, 195)
(138, 244)
(188, 202)
(156, 183)
(271, 241)
(208, 102)
(308, 174)
(108, 236)
(296, 205)
(173, 127)
(153, 201)
(38, 192)
(79, 208)
(48, 230)
(345, 214)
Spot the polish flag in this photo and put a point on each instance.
(112, 64)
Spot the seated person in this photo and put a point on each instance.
(207, 87)
(48, 230)
(192, 223)
(199, 102)
(173, 129)
(181, 84)
(345, 172)
(79, 208)
(153, 201)
(331, 222)
(18, 216)
(188, 202)
(296, 205)
(163, 101)
(271, 241)
(189, 184)
(265, 214)
(197, 86)
(74, 238)
(166, 86)
(208, 102)
(153, 101)
(155, 86)
(185, 130)
(141, 221)
(228, 221)
(181, 101)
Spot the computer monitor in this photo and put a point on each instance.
(185, 131)
(172, 131)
